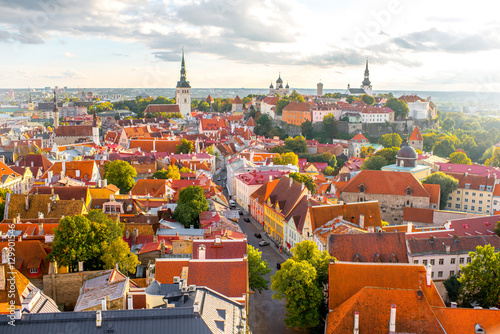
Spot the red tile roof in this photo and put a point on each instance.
(418, 215)
(297, 106)
(167, 108)
(416, 135)
(237, 100)
(153, 187)
(213, 124)
(411, 98)
(227, 249)
(167, 269)
(251, 122)
(74, 131)
(350, 212)
(460, 245)
(434, 190)
(464, 320)
(359, 138)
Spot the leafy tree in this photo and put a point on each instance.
(203, 106)
(389, 154)
(330, 126)
(494, 161)
(296, 97)
(366, 151)
(211, 150)
(118, 251)
(480, 281)
(460, 158)
(497, 228)
(350, 99)
(448, 125)
(305, 179)
(286, 158)
(114, 226)
(257, 270)
(452, 286)
(296, 145)
(121, 174)
(443, 148)
(429, 140)
(301, 282)
(328, 170)
(447, 183)
(368, 99)
(400, 107)
(185, 147)
(374, 163)
(172, 172)
(340, 162)
(3, 195)
(390, 140)
(185, 170)
(307, 129)
(191, 203)
(282, 103)
(77, 239)
(333, 161)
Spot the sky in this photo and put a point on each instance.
(411, 45)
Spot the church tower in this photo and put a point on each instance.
(183, 92)
(366, 84)
(55, 112)
(95, 130)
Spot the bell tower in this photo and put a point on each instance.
(183, 92)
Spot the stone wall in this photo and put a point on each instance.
(380, 129)
(65, 288)
(291, 130)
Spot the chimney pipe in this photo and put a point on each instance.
(162, 248)
(356, 322)
(18, 314)
(362, 221)
(103, 304)
(409, 228)
(428, 274)
(130, 303)
(392, 321)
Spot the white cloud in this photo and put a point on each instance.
(69, 54)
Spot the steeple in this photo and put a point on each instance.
(366, 81)
(94, 123)
(183, 82)
(55, 112)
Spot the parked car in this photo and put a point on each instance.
(257, 235)
(247, 219)
(263, 243)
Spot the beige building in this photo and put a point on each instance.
(474, 194)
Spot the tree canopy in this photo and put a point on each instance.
(121, 174)
(191, 203)
(400, 107)
(443, 148)
(305, 179)
(479, 280)
(460, 158)
(257, 270)
(118, 251)
(447, 183)
(388, 154)
(185, 147)
(368, 99)
(390, 140)
(172, 172)
(374, 162)
(286, 158)
(301, 282)
(297, 144)
(330, 126)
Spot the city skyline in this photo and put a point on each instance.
(237, 43)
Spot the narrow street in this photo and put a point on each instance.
(267, 315)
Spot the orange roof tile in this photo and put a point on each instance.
(416, 135)
(349, 211)
(418, 215)
(237, 100)
(434, 190)
(463, 320)
(167, 269)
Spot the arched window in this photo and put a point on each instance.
(361, 188)
(408, 191)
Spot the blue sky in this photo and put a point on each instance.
(424, 45)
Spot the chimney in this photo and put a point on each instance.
(428, 274)
(130, 303)
(356, 322)
(127, 234)
(27, 202)
(32, 164)
(448, 249)
(48, 208)
(291, 182)
(453, 304)
(155, 239)
(409, 228)
(392, 321)
(362, 221)
(103, 304)
(201, 252)
(98, 319)
(371, 229)
(17, 314)
(80, 266)
(135, 234)
(162, 248)
(5, 257)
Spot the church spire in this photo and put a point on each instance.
(366, 81)
(183, 82)
(94, 123)
(55, 112)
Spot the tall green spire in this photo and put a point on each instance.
(183, 82)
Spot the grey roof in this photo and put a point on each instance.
(194, 232)
(156, 288)
(356, 91)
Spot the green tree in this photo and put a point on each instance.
(460, 158)
(114, 226)
(452, 286)
(330, 126)
(494, 161)
(257, 270)
(301, 282)
(282, 103)
(296, 145)
(185, 147)
(307, 129)
(443, 148)
(296, 97)
(448, 125)
(447, 183)
(77, 239)
(286, 158)
(374, 163)
(118, 251)
(203, 106)
(172, 172)
(497, 228)
(389, 154)
(328, 171)
(305, 179)
(121, 174)
(400, 107)
(366, 151)
(185, 170)
(368, 99)
(333, 161)
(480, 279)
(350, 99)
(3, 195)
(390, 140)
(191, 203)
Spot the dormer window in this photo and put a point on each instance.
(481, 187)
(467, 185)
(408, 191)
(361, 188)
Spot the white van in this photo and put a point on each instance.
(232, 203)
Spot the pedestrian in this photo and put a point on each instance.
(281, 249)
(278, 265)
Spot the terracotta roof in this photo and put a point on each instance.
(386, 183)
(237, 100)
(64, 193)
(148, 145)
(369, 247)
(434, 190)
(271, 100)
(348, 278)
(359, 138)
(262, 194)
(168, 108)
(251, 122)
(473, 182)
(299, 212)
(167, 269)
(74, 131)
(86, 169)
(373, 304)
(460, 245)
(40, 204)
(209, 98)
(418, 215)
(21, 283)
(411, 98)
(26, 252)
(212, 124)
(37, 160)
(474, 226)
(416, 135)
(5, 170)
(227, 249)
(153, 187)
(464, 320)
(473, 169)
(324, 213)
(286, 194)
(298, 106)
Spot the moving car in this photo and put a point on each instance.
(247, 219)
(257, 235)
(263, 243)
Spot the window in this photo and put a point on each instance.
(449, 205)
(408, 192)
(480, 209)
(466, 193)
(473, 194)
(452, 261)
(432, 274)
(473, 208)
(481, 195)
(415, 261)
(468, 259)
(361, 189)
(480, 202)
(441, 262)
(450, 198)
(433, 262)
(457, 206)
(34, 271)
(466, 200)
(465, 207)
(458, 198)
(424, 262)
(452, 272)
(461, 260)
(473, 201)
(458, 192)
(440, 274)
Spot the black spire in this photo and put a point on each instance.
(182, 82)
(56, 109)
(367, 82)
(94, 123)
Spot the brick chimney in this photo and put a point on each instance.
(356, 323)
(392, 321)
(362, 221)
(27, 202)
(162, 248)
(428, 274)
